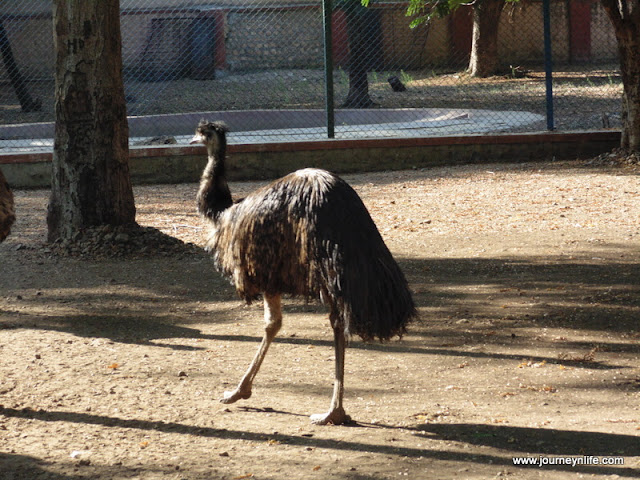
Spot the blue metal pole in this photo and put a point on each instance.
(328, 67)
(548, 63)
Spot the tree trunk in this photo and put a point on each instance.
(625, 17)
(630, 70)
(90, 183)
(7, 211)
(484, 44)
(27, 103)
(358, 25)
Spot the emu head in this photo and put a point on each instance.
(211, 134)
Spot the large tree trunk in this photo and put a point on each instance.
(484, 44)
(625, 16)
(630, 69)
(359, 34)
(91, 183)
(7, 211)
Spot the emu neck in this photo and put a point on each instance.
(214, 196)
(216, 165)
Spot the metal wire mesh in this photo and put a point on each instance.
(258, 65)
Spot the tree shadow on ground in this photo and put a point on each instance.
(543, 441)
(584, 293)
(21, 467)
(511, 441)
(147, 331)
(127, 329)
(17, 466)
(514, 293)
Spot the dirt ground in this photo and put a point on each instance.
(527, 281)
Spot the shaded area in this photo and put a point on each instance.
(22, 467)
(583, 293)
(536, 441)
(513, 293)
(554, 441)
(13, 465)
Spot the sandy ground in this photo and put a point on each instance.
(527, 281)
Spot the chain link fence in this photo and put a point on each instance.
(259, 65)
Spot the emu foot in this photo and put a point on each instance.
(234, 396)
(332, 417)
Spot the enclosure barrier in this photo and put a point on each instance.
(260, 66)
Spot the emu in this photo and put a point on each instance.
(7, 213)
(307, 234)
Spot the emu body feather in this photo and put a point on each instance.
(309, 234)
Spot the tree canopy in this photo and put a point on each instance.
(425, 10)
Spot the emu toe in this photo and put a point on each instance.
(234, 396)
(332, 417)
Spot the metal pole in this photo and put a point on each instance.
(548, 63)
(328, 67)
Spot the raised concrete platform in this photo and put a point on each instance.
(176, 163)
(267, 126)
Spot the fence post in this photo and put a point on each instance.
(548, 63)
(327, 8)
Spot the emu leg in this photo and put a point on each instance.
(336, 414)
(273, 322)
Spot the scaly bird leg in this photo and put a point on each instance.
(336, 414)
(273, 322)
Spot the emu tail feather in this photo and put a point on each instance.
(362, 282)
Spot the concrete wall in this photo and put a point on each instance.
(412, 48)
(258, 35)
(185, 164)
(521, 34)
(290, 38)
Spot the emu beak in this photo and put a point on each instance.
(195, 139)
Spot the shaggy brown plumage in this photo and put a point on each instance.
(7, 213)
(307, 234)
